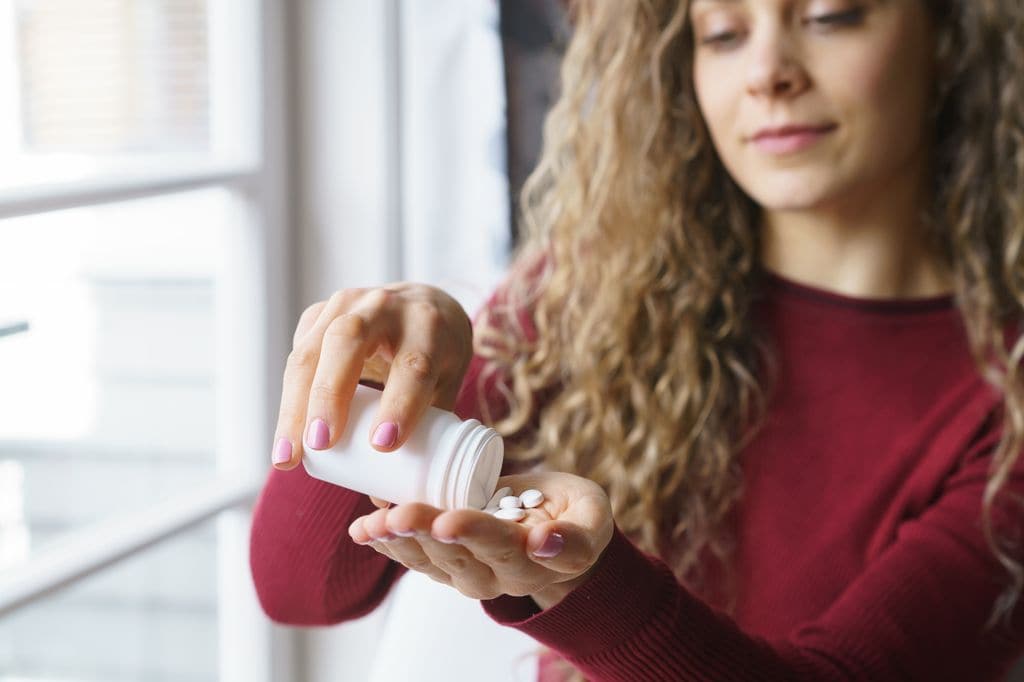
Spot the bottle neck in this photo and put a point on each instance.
(475, 466)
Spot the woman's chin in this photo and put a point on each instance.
(802, 195)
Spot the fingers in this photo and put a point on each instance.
(573, 542)
(299, 370)
(360, 532)
(477, 529)
(414, 337)
(521, 554)
(405, 520)
(347, 340)
(403, 534)
(306, 321)
(322, 329)
(413, 377)
(410, 519)
(563, 547)
(418, 549)
(495, 542)
(465, 572)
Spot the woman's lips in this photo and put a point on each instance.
(791, 141)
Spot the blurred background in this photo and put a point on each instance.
(178, 180)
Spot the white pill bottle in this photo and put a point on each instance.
(446, 462)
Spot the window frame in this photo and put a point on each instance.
(254, 303)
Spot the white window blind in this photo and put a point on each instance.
(113, 76)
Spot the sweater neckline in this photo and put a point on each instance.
(789, 288)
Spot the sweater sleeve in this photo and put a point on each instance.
(306, 569)
(917, 612)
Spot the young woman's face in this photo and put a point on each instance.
(852, 76)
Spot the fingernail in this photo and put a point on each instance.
(445, 540)
(551, 547)
(385, 434)
(317, 434)
(283, 451)
(404, 533)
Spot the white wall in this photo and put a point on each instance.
(455, 221)
(344, 178)
(400, 171)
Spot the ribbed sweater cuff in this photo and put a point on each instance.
(619, 598)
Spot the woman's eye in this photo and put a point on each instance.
(719, 38)
(846, 18)
(850, 17)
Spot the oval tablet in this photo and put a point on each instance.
(531, 498)
(511, 514)
(510, 502)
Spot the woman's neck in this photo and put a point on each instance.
(866, 246)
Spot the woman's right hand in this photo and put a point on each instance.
(414, 339)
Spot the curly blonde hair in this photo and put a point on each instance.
(640, 266)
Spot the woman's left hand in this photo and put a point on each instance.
(545, 555)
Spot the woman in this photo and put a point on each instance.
(760, 351)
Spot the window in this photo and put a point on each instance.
(133, 621)
(141, 215)
(103, 87)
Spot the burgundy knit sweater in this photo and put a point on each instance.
(860, 554)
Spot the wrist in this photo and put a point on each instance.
(556, 592)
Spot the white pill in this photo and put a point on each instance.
(531, 498)
(510, 502)
(511, 513)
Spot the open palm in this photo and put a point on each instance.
(482, 556)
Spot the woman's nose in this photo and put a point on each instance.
(774, 68)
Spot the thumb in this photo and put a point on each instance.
(566, 547)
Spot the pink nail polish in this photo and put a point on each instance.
(283, 451)
(317, 434)
(551, 547)
(385, 434)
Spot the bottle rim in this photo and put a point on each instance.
(469, 473)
